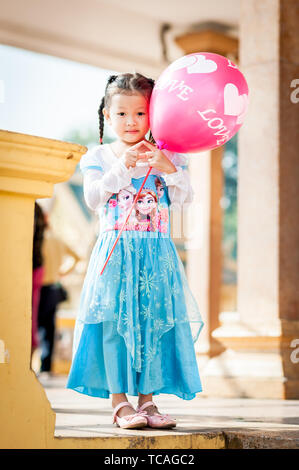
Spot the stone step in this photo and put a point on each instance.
(203, 423)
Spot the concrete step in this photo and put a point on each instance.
(203, 423)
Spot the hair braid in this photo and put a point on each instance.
(101, 119)
(101, 107)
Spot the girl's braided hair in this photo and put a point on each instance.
(126, 83)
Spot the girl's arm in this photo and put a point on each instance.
(99, 185)
(179, 186)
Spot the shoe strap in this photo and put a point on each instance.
(146, 405)
(121, 405)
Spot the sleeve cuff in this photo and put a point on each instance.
(173, 179)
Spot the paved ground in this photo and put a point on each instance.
(238, 423)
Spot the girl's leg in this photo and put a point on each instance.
(143, 399)
(125, 410)
(167, 421)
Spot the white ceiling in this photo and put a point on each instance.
(183, 12)
(111, 34)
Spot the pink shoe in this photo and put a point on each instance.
(134, 421)
(156, 420)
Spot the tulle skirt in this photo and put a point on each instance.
(137, 322)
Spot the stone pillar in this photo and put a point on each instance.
(258, 361)
(29, 168)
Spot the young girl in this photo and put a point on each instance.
(137, 321)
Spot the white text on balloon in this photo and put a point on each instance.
(173, 85)
(223, 131)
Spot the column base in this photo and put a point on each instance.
(254, 364)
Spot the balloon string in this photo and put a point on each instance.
(120, 232)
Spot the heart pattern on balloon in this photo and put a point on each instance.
(195, 64)
(198, 103)
(182, 62)
(202, 65)
(235, 104)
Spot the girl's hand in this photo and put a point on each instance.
(157, 159)
(131, 155)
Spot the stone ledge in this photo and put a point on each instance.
(202, 440)
(28, 161)
(238, 439)
(203, 423)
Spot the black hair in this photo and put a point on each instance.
(125, 83)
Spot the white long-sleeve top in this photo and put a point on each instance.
(105, 174)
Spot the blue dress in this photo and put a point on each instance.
(138, 321)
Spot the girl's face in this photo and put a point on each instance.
(146, 204)
(128, 116)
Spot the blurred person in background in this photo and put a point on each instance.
(37, 271)
(52, 293)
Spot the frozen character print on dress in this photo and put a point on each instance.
(162, 205)
(161, 192)
(125, 199)
(150, 212)
(146, 210)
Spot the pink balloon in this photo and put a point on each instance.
(198, 103)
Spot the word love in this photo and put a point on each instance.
(216, 123)
(175, 85)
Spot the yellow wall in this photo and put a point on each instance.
(29, 168)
